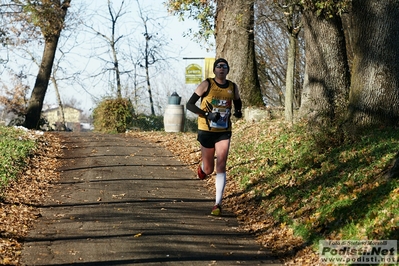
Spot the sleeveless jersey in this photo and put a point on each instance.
(218, 98)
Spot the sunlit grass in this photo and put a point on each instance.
(15, 147)
(332, 192)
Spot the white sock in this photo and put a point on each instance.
(220, 183)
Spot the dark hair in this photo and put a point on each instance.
(220, 60)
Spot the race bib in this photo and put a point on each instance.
(223, 121)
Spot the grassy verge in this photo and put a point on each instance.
(15, 147)
(330, 193)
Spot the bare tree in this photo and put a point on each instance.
(14, 99)
(153, 52)
(112, 40)
(293, 24)
(54, 80)
(16, 29)
(280, 54)
(148, 55)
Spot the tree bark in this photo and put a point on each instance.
(147, 67)
(290, 79)
(293, 30)
(234, 33)
(374, 94)
(327, 78)
(113, 41)
(35, 103)
(51, 37)
(60, 105)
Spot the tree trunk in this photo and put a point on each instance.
(290, 79)
(234, 33)
(117, 72)
(60, 105)
(147, 71)
(293, 30)
(327, 78)
(51, 29)
(35, 103)
(374, 94)
(113, 41)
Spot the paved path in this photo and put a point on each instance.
(124, 201)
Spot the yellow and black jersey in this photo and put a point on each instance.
(218, 98)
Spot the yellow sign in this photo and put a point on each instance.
(209, 67)
(193, 74)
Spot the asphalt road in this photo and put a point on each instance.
(125, 201)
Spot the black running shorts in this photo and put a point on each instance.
(208, 139)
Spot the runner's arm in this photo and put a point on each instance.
(192, 107)
(199, 91)
(237, 102)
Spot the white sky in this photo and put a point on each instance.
(80, 58)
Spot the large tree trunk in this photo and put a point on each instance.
(35, 104)
(234, 33)
(374, 94)
(327, 78)
(51, 28)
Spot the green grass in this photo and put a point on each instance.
(15, 147)
(330, 192)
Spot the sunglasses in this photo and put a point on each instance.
(222, 66)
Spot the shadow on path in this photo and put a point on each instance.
(124, 201)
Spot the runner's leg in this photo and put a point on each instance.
(222, 151)
(208, 161)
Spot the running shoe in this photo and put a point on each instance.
(216, 210)
(201, 174)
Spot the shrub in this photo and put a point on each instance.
(148, 123)
(190, 125)
(113, 115)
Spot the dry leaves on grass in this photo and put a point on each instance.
(18, 206)
(280, 239)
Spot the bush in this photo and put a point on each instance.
(190, 125)
(155, 123)
(15, 146)
(113, 115)
(148, 123)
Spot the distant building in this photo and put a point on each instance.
(72, 118)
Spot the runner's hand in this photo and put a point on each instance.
(238, 114)
(214, 117)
